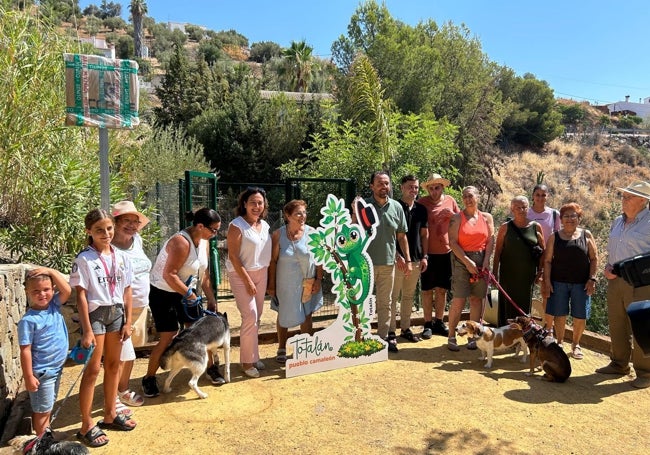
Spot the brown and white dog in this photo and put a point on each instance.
(544, 348)
(489, 340)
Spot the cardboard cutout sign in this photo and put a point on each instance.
(340, 247)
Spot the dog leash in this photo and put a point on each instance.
(490, 278)
(31, 445)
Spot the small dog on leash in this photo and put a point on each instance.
(190, 350)
(543, 347)
(489, 340)
(46, 445)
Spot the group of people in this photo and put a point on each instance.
(428, 240)
(446, 248)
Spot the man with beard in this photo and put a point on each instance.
(436, 279)
(390, 231)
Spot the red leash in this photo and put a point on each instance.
(490, 278)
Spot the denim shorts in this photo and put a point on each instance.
(107, 319)
(43, 399)
(563, 293)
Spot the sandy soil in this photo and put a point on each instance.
(424, 399)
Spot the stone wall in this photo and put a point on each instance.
(13, 304)
(12, 307)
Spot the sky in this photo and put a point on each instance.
(587, 50)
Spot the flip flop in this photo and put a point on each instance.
(90, 438)
(119, 423)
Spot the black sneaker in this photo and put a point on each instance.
(214, 375)
(392, 342)
(427, 333)
(439, 328)
(150, 387)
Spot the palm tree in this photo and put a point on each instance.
(138, 9)
(300, 61)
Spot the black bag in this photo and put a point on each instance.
(536, 251)
(639, 314)
(635, 270)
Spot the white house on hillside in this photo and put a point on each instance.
(641, 109)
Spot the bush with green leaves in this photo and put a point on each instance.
(49, 172)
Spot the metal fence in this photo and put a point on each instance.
(168, 200)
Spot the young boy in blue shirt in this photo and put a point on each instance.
(43, 340)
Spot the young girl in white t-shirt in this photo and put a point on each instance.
(102, 276)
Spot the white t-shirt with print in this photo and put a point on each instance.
(89, 273)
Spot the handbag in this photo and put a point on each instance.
(635, 270)
(536, 251)
(307, 284)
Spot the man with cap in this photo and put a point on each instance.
(629, 236)
(436, 279)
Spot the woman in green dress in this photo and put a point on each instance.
(514, 265)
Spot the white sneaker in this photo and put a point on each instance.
(252, 372)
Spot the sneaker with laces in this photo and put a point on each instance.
(427, 333)
(452, 345)
(214, 375)
(439, 328)
(150, 386)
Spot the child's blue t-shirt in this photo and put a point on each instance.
(46, 332)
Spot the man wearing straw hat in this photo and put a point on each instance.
(436, 279)
(629, 236)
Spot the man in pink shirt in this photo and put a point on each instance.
(436, 279)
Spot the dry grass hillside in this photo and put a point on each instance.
(586, 174)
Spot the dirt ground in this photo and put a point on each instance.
(424, 399)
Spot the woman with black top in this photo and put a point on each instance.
(571, 261)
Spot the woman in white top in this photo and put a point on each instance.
(249, 255)
(547, 217)
(181, 266)
(128, 222)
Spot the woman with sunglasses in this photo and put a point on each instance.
(571, 262)
(181, 266)
(249, 255)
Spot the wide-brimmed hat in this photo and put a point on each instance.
(435, 179)
(128, 208)
(638, 188)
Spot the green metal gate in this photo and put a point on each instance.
(196, 191)
(313, 191)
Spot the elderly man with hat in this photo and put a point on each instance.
(629, 236)
(436, 278)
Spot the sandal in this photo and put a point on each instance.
(130, 398)
(122, 409)
(119, 423)
(281, 356)
(576, 352)
(407, 334)
(91, 437)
